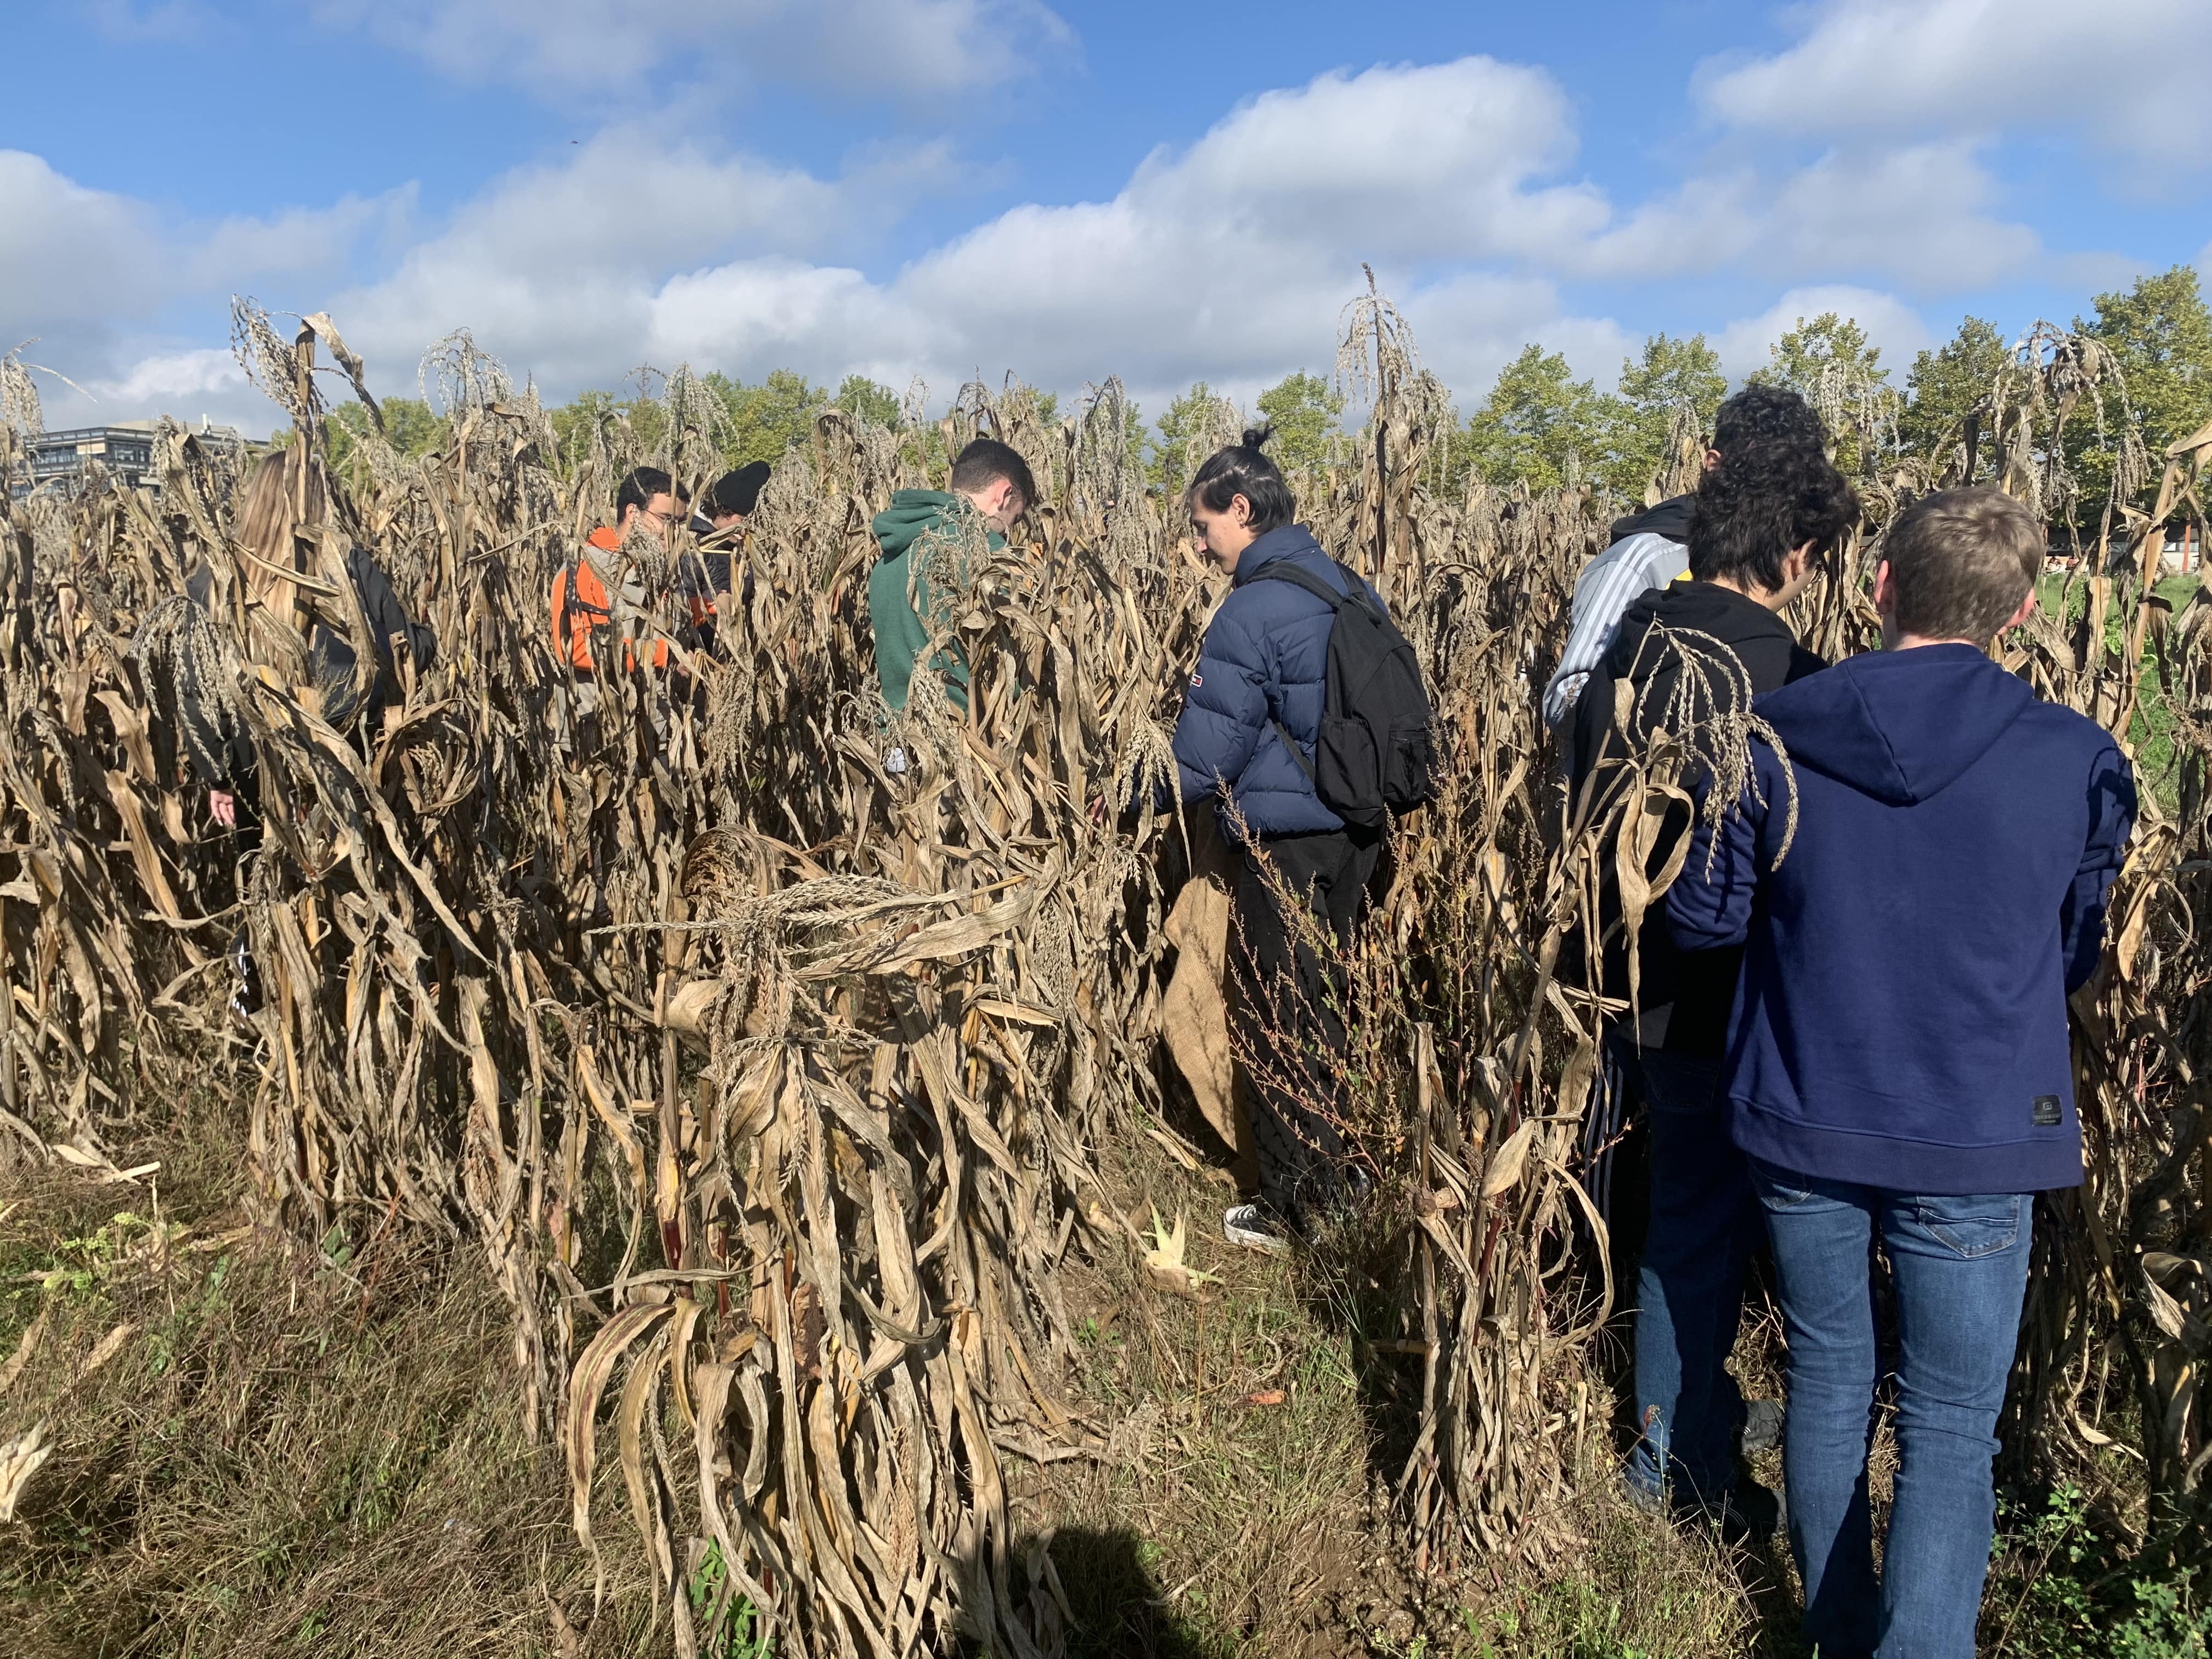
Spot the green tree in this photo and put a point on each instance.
(2160, 331)
(409, 427)
(1193, 416)
(870, 400)
(1943, 386)
(1539, 426)
(573, 421)
(1303, 410)
(769, 418)
(1829, 363)
(1829, 347)
(1671, 374)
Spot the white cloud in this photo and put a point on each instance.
(186, 383)
(1919, 214)
(87, 271)
(918, 48)
(71, 254)
(1890, 323)
(296, 242)
(1916, 214)
(2129, 72)
(1471, 325)
(1408, 160)
(559, 268)
(1229, 258)
(159, 22)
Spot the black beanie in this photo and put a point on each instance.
(737, 492)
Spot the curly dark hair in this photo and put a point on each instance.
(1775, 489)
(1768, 415)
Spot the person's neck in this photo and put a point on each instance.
(1893, 641)
(1766, 598)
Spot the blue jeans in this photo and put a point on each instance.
(1961, 1265)
(1689, 1293)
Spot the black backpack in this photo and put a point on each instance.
(1377, 750)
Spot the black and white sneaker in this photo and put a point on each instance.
(1255, 1227)
(245, 990)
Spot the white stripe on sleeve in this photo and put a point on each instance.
(1616, 579)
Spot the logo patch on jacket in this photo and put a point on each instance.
(1196, 681)
(2048, 1111)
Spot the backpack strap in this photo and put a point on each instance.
(1282, 571)
(1292, 743)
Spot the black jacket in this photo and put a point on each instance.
(1670, 519)
(218, 744)
(1701, 985)
(331, 655)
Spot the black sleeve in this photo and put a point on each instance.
(386, 615)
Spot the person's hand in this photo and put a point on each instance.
(223, 807)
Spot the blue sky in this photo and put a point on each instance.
(937, 187)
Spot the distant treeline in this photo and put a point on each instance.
(1538, 425)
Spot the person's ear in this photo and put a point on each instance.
(1885, 590)
(2020, 616)
(1712, 460)
(1241, 507)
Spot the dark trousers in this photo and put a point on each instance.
(1705, 1227)
(1291, 1001)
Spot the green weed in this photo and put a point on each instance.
(2063, 1589)
(735, 1632)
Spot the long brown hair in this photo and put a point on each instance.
(281, 511)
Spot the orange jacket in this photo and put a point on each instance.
(578, 616)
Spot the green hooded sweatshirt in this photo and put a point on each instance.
(902, 636)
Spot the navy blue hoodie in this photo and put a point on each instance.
(1264, 664)
(1901, 1020)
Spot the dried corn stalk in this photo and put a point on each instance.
(772, 1082)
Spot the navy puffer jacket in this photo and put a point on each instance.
(1264, 659)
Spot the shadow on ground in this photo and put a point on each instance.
(1120, 1610)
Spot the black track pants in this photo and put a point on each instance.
(1290, 1020)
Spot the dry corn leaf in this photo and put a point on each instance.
(1165, 1258)
(1505, 1168)
(21, 1457)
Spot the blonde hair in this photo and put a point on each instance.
(282, 531)
(1960, 561)
(280, 503)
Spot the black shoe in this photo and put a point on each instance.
(1255, 1227)
(1751, 1514)
(1762, 1426)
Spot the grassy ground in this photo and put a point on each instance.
(283, 1451)
(1249, 1514)
(296, 1451)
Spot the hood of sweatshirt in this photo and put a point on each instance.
(911, 512)
(914, 512)
(1899, 725)
(1702, 607)
(1670, 519)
